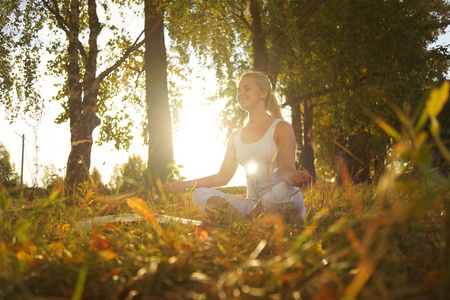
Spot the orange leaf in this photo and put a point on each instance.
(26, 253)
(138, 206)
(200, 233)
(100, 241)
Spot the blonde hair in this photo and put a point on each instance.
(271, 102)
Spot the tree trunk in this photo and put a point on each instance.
(82, 111)
(277, 43)
(260, 57)
(160, 148)
(83, 95)
(307, 154)
(360, 146)
(297, 126)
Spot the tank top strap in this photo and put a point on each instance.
(268, 135)
(274, 125)
(271, 131)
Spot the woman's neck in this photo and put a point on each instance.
(258, 117)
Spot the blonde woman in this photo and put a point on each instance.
(265, 146)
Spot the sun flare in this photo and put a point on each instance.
(199, 145)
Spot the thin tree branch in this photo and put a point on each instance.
(310, 96)
(324, 92)
(240, 17)
(127, 53)
(307, 16)
(59, 19)
(63, 25)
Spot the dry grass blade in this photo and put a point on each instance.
(138, 206)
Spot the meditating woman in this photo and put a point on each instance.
(265, 146)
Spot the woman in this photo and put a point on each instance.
(265, 146)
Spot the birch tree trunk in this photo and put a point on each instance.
(83, 119)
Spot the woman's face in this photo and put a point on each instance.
(249, 93)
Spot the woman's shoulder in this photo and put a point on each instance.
(232, 136)
(282, 125)
(283, 128)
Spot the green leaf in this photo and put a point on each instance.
(387, 128)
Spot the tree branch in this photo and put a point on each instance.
(59, 19)
(63, 25)
(127, 53)
(310, 96)
(240, 17)
(325, 92)
(312, 10)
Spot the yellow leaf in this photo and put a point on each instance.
(437, 100)
(421, 138)
(387, 128)
(23, 255)
(64, 227)
(107, 254)
(138, 206)
(56, 249)
(26, 254)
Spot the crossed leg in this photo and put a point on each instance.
(219, 209)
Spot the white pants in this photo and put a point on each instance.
(280, 194)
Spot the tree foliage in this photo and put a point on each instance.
(8, 174)
(336, 64)
(87, 44)
(133, 173)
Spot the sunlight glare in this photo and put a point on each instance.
(197, 144)
(200, 144)
(251, 167)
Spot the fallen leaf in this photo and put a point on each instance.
(26, 253)
(99, 241)
(56, 249)
(138, 206)
(200, 233)
(107, 254)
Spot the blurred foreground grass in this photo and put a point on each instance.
(388, 245)
(387, 240)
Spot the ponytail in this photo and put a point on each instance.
(273, 106)
(271, 102)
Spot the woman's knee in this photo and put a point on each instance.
(215, 203)
(200, 196)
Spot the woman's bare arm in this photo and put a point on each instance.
(285, 139)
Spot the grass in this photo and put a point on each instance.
(377, 245)
(388, 240)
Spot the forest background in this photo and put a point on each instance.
(349, 58)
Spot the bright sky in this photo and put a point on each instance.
(198, 146)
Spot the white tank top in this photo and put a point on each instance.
(260, 161)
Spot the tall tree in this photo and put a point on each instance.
(133, 174)
(160, 148)
(77, 59)
(8, 176)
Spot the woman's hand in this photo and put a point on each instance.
(176, 187)
(299, 178)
